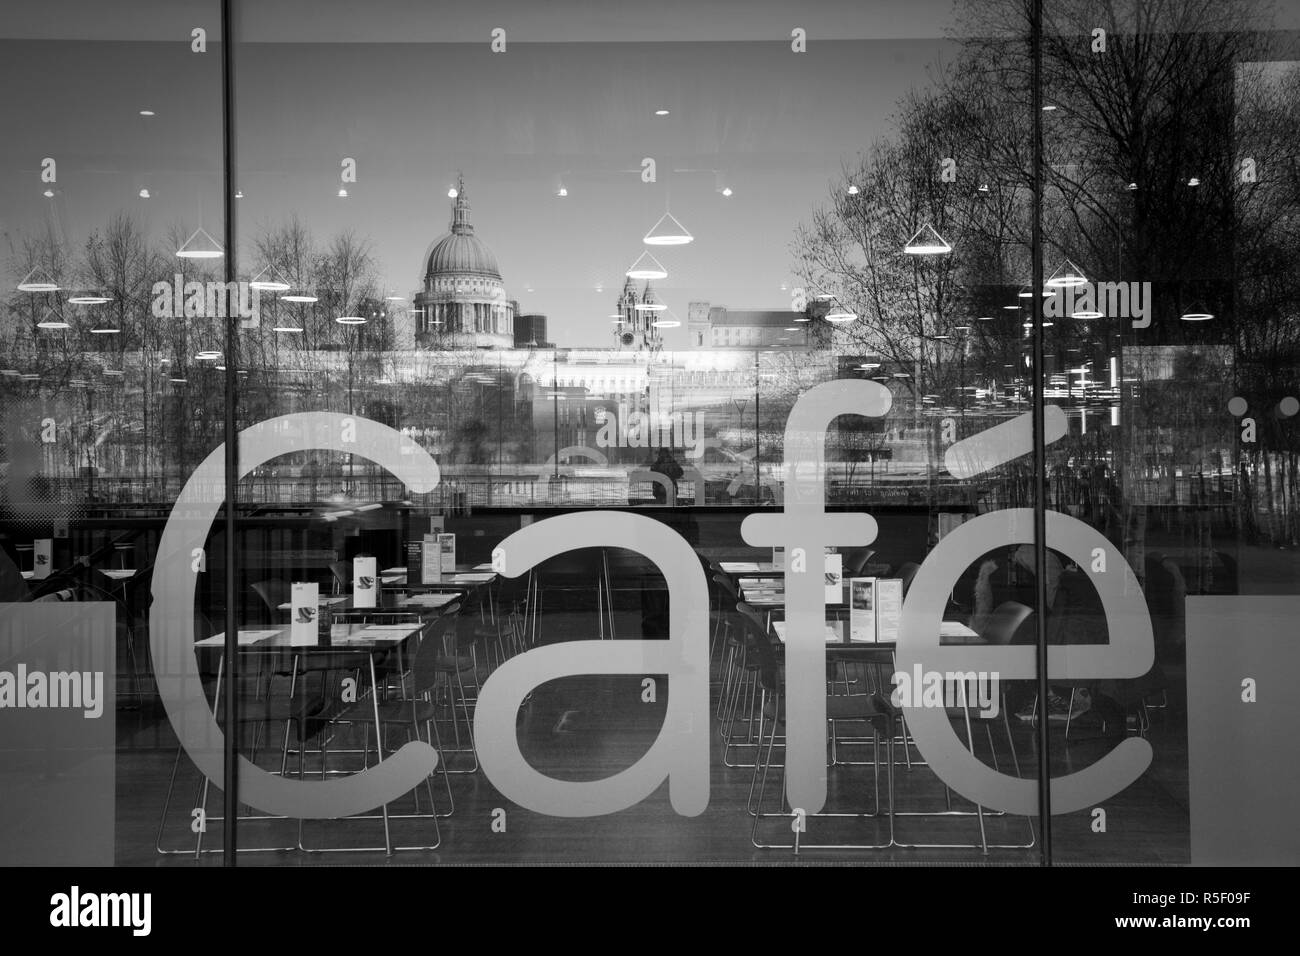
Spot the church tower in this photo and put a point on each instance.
(634, 331)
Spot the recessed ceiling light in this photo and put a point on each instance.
(451, 193)
(146, 113)
(343, 193)
(351, 320)
(853, 189)
(726, 190)
(286, 328)
(144, 194)
(661, 112)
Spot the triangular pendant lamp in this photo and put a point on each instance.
(200, 246)
(838, 313)
(268, 281)
(927, 242)
(668, 232)
(647, 267)
(90, 297)
(38, 281)
(1066, 277)
(1197, 312)
(51, 320)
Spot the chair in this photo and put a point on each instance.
(1000, 629)
(855, 561)
(453, 665)
(416, 708)
(870, 709)
(263, 700)
(273, 592)
(906, 573)
(342, 573)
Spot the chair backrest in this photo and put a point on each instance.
(759, 642)
(273, 592)
(1005, 621)
(342, 579)
(447, 632)
(855, 560)
(906, 573)
(424, 665)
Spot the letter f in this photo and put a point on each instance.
(804, 524)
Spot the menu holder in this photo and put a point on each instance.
(304, 606)
(447, 550)
(889, 609)
(431, 561)
(834, 579)
(42, 558)
(862, 610)
(365, 581)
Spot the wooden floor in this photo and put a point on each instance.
(587, 728)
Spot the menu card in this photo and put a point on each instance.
(42, 557)
(304, 599)
(834, 578)
(365, 581)
(431, 561)
(862, 610)
(889, 609)
(447, 548)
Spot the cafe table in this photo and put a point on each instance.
(342, 640)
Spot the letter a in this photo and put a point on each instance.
(677, 755)
(799, 40)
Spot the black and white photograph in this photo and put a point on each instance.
(760, 435)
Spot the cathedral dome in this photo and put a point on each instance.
(461, 252)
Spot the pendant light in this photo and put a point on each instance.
(268, 281)
(668, 232)
(38, 281)
(200, 245)
(927, 242)
(1067, 276)
(647, 267)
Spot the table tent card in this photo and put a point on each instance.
(834, 578)
(365, 581)
(42, 557)
(304, 605)
(889, 609)
(447, 548)
(862, 610)
(431, 561)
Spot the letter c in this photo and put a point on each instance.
(171, 620)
